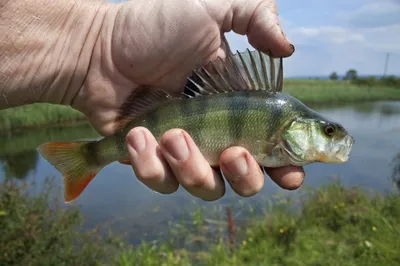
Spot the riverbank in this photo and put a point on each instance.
(333, 226)
(330, 91)
(308, 91)
(38, 115)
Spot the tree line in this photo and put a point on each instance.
(352, 76)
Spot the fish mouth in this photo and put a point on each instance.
(290, 155)
(342, 155)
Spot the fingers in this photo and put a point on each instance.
(177, 160)
(288, 177)
(148, 163)
(259, 21)
(241, 171)
(190, 167)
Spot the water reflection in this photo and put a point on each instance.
(19, 165)
(29, 140)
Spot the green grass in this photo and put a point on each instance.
(334, 226)
(35, 232)
(35, 115)
(326, 91)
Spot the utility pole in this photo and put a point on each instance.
(386, 64)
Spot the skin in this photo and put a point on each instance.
(96, 54)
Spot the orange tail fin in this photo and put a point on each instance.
(70, 160)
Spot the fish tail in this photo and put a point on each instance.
(73, 161)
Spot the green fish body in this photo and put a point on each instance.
(233, 102)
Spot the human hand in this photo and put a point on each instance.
(158, 43)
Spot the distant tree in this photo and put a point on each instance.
(333, 76)
(351, 74)
(367, 81)
(390, 81)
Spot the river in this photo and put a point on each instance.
(116, 195)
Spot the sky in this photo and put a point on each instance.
(338, 35)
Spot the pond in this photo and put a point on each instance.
(116, 196)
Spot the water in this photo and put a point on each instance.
(116, 195)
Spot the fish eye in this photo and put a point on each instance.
(329, 130)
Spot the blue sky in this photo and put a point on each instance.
(338, 35)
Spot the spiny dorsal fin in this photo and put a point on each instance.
(246, 71)
(239, 72)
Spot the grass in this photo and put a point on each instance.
(334, 226)
(328, 91)
(35, 232)
(35, 115)
(309, 91)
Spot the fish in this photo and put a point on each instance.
(237, 100)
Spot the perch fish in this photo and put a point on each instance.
(235, 101)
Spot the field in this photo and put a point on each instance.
(327, 91)
(35, 115)
(309, 91)
(333, 226)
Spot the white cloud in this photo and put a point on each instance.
(384, 39)
(378, 13)
(329, 34)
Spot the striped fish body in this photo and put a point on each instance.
(237, 101)
(252, 120)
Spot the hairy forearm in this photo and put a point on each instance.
(45, 48)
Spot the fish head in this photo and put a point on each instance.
(310, 140)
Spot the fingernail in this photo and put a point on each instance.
(293, 49)
(237, 166)
(137, 140)
(177, 147)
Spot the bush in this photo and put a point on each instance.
(391, 81)
(35, 233)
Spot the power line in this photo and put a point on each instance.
(386, 64)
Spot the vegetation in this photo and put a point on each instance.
(351, 88)
(334, 76)
(35, 232)
(35, 115)
(369, 81)
(334, 226)
(330, 91)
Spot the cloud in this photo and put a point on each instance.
(329, 34)
(377, 14)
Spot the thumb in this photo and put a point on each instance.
(258, 19)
